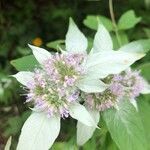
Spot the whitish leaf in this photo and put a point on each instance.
(8, 144)
(102, 40)
(146, 89)
(24, 77)
(39, 132)
(128, 20)
(75, 39)
(134, 103)
(90, 85)
(125, 127)
(40, 54)
(101, 64)
(140, 46)
(79, 112)
(84, 133)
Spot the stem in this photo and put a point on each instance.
(114, 21)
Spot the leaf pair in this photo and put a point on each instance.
(127, 20)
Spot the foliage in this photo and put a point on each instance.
(130, 131)
(23, 64)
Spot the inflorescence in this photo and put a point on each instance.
(54, 84)
(128, 85)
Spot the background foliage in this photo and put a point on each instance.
(41, 21)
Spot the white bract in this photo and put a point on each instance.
(54, 88)
(39, 132)
(86, 132)
(8, 144)
(103, 61)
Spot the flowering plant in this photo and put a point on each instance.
(57, 87)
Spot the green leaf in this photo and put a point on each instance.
(145, 70)
(55, 44)
(59, 145)
(109, 143)
(144, 111)
(90, 44)
(27, 63)
(39, 132)
(147, 32)
(123, 39)
(8, 144)
(23, 51)
(128, 20)
(91, 21)
(15, 123)
(125, 127)
(64, 145)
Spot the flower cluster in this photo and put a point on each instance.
(128, 84)
(53, 87)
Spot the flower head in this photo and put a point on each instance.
(127, 84)
(53, 87)
(132, 84)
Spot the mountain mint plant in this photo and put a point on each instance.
(56, 86)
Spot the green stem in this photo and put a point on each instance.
(114, 21)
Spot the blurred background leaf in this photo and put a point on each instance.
(128, 20)
(145, 70)
(55, 44)
(26, 63)
(91, 21)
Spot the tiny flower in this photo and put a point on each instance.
(117, 89)
(74, 96)
(70, 80)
